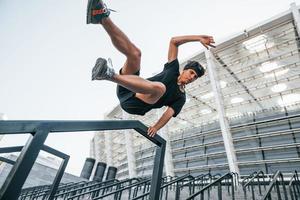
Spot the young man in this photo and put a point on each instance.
(138, 95)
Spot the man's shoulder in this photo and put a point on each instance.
(172, 63)
(172, 67)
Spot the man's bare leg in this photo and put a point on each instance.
(124, 45)
(146, 90)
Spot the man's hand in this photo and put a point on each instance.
(207, 40)
(152, 131)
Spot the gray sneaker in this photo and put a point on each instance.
(102, 71)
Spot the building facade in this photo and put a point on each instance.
(242, 116)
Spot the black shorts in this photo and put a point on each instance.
(129, 102)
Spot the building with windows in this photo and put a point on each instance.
(242, 115)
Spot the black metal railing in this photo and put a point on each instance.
(68, 190)
(118, 192)
(166, 185)
(98, 189)
(276, 183)
(294, 186)
(40, 130)
(217, 182)
(50, 189)
(199, 181)
(255, 180)
(236, 178)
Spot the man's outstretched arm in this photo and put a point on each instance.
(175, 42)
(168, 114)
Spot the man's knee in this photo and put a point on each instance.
(160, 89)
(135, 54)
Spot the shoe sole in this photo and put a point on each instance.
(100, 67)
(89, 17)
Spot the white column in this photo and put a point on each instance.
(130, 151)
(227, 137)
(93, 154)
(296, 16)
(92, 148)
(164, 133)
(108, 148)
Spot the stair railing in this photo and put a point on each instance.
(191, 183)
(175, 181)
(275, 183)
(217, 182)
(294, 186)
(251, 183)
(245, 180)
(118, 192)
(40, 130)
(200, 181)
(93, 189)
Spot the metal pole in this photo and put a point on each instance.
(227, 137)
(220, 190)
(157, 172)
(58, 178)
(12, 186)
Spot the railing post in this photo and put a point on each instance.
(177, 193)
(12, 186)
(277, 189)
(157, 172)
(252, 191)
(291, 192)
(284, 188)
(220, 190)
(233, 186)
(58, 178)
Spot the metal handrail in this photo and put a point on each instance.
(254, 175)
(275, 183)
(40, 130)
(219, 182)
(181, 178)
(32, 190)
(51, 189)
(63, 189)
(122, 189)
(45, 191)
(257, 176)
(201, 177)
(87, 186)
(294, 185)
(175, 182)
(104, 187)
(196, 179)
(236, 178)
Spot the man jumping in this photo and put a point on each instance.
(137, 95)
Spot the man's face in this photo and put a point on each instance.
(188, 76)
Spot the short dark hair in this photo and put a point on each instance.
(196, 66)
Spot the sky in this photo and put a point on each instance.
(47, 52)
